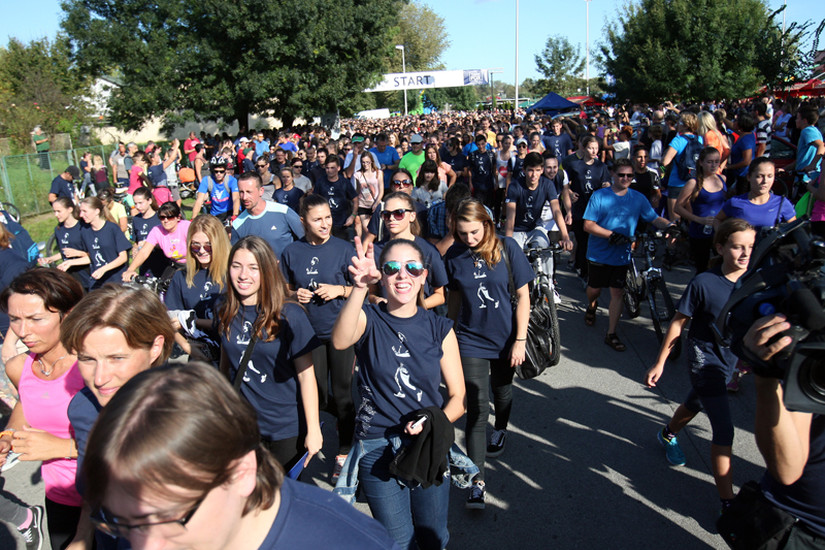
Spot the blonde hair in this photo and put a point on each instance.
(214, 231)
(471, 210)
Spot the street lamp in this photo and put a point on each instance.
(403, 70)
(587, 49)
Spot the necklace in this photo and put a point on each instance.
(49, 372)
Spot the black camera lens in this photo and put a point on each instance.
(812, 378)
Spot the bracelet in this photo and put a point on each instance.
(7, 432)
(521, 339)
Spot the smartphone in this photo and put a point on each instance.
(418, 423)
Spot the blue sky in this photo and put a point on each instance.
(466, 21)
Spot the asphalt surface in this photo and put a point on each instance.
(582, 467)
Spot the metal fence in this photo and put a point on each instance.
(25, 179)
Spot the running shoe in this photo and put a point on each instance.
(673, 452)
(733, 383)
(336, 469)
(497, 440)
(33, 534)
(12, 459)
(477, 495)
(556, 296)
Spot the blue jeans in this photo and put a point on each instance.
(415, 518)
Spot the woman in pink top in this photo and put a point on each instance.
(137, 174)
(446, 174)
(170, 236)
(369, 182)
(46, 379)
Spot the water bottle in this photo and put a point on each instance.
(707, 230)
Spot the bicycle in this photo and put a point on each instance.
(11, 210)
(543, 293)
(645, 282)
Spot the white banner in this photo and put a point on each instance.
(431, 79)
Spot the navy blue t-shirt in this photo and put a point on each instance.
(103, 247)
(400, 371)
(483, 168)
(485, 327)
(291, 198)
(339, 194)
(558, 145)
(157, 261)
(22, 242)
(304, 265)
(13, 265)
(157, 175)
(309, 517)
(436, 272)
(71, 237)
(62, 188)
(584, 179)
(271, 382)
(704, 297)
(529, 203)
(200, 297)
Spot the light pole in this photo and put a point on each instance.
(515, 105)
(403, 70)
(587, 50)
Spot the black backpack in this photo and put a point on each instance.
(686, 160)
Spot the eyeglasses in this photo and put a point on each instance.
(297, 165)
(624, 176)
(262, 165)
(402, 183)
(197, 247)
(163, 218)
(413, 269)
(522, 145)
(397, 215)
(113, 527)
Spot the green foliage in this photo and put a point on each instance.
(424, 36)
(224, 60)
(790, 57)
(462, 98)
(39, 85)
(561, 64)
(694, 49)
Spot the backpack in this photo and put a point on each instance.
(687, 159)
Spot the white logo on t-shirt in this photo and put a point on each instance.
(484, 297)
(402, 376)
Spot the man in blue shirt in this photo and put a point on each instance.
(611, 218)
(220, 189)
(388, 158)
(810, 149)
(63, 185)
(274, 222)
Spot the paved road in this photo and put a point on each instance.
(582, 467)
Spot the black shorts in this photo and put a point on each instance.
(362, 211)
(603, 275)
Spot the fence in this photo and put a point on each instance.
(25, 179)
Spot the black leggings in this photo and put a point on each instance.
(479, 375)
(286, 451)
(336, 366)
(581, 245)
(62, 523)
(700, 253)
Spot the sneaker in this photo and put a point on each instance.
(673, 452)
(477, 494)
(12, 459)
(33, 534)
(733, 384)
(336, 469)
(556, 296)
(497, 440)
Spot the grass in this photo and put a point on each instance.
(40, 227)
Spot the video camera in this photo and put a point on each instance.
(786, 275)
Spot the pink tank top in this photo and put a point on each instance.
(45, 407)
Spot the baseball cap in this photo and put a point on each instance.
(357, 138)
(73, 171)
(416, 138)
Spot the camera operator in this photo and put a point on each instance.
(792, 444)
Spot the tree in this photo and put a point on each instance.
(462, 98)
(560, 62)
(224, 60)
(692, 49)
(39, 85)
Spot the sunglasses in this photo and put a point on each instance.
(624, 176)
(198, 247)
(161, 218)
(402, 183)
(413, 269)
(219, 171)
(398, 214)
(522, 145)
(262, 165)
(297, 165)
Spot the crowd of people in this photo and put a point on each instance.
(390, 258)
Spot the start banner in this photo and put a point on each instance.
(431, 79)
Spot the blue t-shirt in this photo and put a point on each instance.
(485, 327)
(706, 205)
(704, 297)
(70, 237)
(271, 382)
(737, 152)
(400, 368)
(157, 175)
(304, 265)
(291, 198)
(278, 225)
(339, 194)
(22, 242)
(529, 203)
(62, 188)
(387, 158)
(13, 265)
(777, 210)
(678, 143)
(436, 272)
(805, 152)
(104, 246)
(584, 179)
(618, 213)
(221, 194)
(558, 145)
(309, 517)
(157, 262)
(200, 297)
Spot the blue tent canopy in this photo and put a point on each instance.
(552, 104)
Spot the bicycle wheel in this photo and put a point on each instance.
(661, 312)
(12, 210)
(51, 247)
(632, 293)
(549, 303)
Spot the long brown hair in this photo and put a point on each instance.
(471, 210)
(271, 295)
(97, 203)
(415, 229)
(700, 171)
